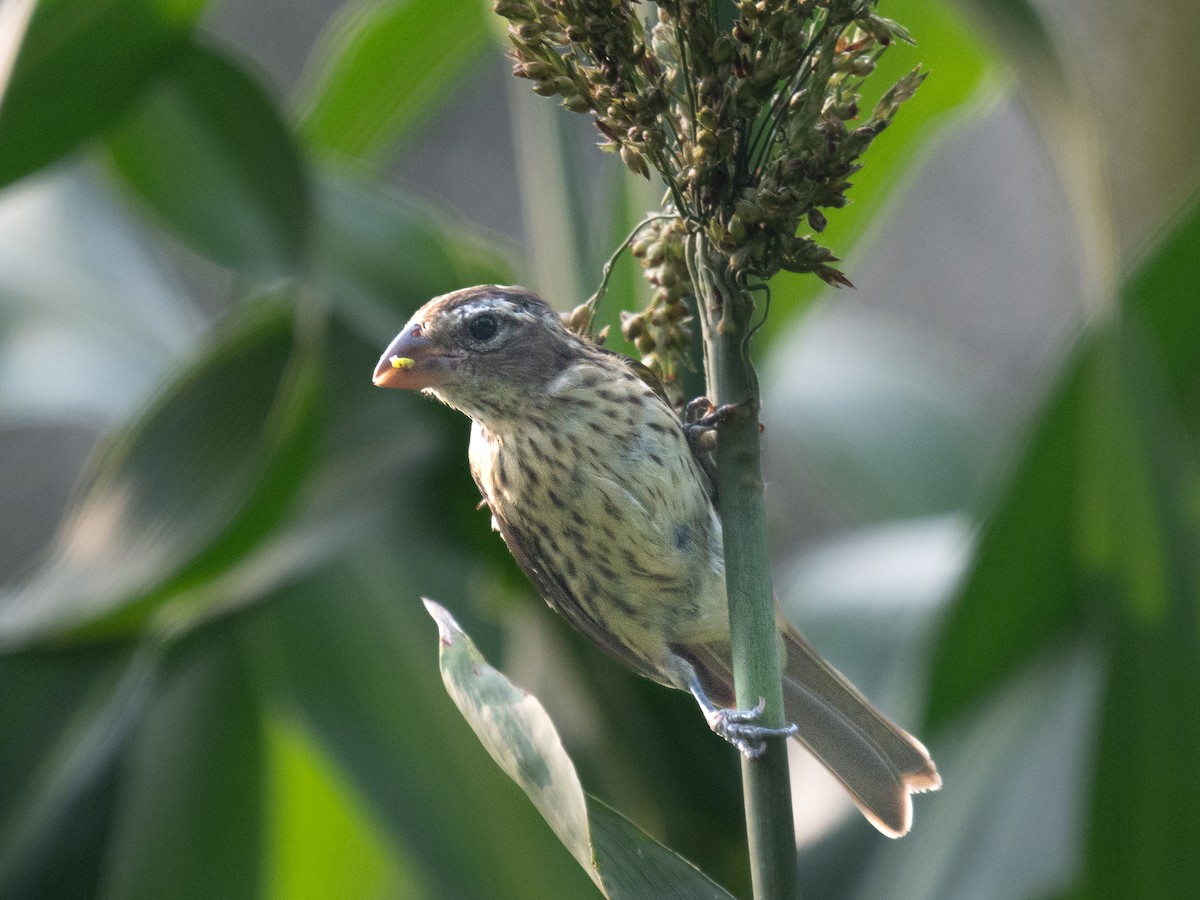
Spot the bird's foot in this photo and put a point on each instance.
(700, 413)
(702, 419)
(702, 436)
(697, 409)
(740, 727)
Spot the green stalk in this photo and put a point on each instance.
(725, 310)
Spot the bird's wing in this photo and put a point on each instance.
(555, 590)
(641, 372)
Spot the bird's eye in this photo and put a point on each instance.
(483, 327)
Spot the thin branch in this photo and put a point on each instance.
(606, 273)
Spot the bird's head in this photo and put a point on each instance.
(483, 350)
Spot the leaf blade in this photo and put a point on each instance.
(383, 68)
(622, 860)
(83, 64)
(188, 822)
(209, 153)
(190, 488)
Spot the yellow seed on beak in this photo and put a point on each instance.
(401, 362)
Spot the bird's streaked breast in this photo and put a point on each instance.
(597, 493)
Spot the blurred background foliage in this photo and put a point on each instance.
(216, 679)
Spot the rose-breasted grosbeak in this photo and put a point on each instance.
(597, 491)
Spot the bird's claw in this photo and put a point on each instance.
(702, 419)
(740, 727)
(697, 409)
(701, 414)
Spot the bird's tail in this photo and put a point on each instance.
(879, 763)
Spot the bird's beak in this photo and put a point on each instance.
(413, 361)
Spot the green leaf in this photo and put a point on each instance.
(84, 62)
(323, 839)
(184, 493)
(1022, 588)
(208, 152)
(1023, 31)
(622, 860)
(347, 654)
(1083, 498)
(1095, 539)
(188, 822)
(1143, 838)
(67, 717)
(106, 302)
(1138, 540)
(382, 255)
(1162, 291)
(1055, 520)
(189, 509)
(382, 67)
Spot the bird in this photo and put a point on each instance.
(609, 508)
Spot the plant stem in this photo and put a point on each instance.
(725, 310)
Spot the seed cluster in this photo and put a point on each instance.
(660, 332)
(755, 127)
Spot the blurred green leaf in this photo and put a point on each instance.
(1023, 31)
(1134, 535)
(1010, 820)
(185, 492)
(189, 817)
(381, 68)
(1097, 536)
(206, 480)
(83, 64)
(324, 842)
(78, 282)
(1147, 846)
(1162, 292)
(1138, 541)
(1055, 521)
(348, 654)
(621, 859)
(208, 152)
(1022, 588)
(66, 715)
(380, 255)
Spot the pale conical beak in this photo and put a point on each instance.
(412, 361)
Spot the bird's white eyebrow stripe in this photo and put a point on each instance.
(501, 305)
